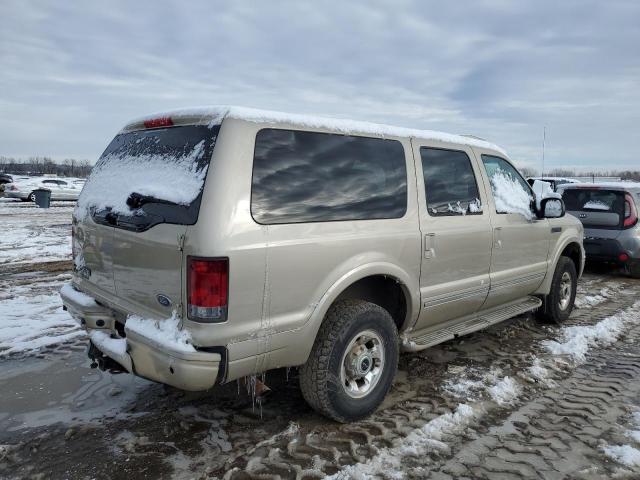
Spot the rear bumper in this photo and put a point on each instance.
(604, 249)
(141, 355)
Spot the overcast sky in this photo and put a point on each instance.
(73, 73)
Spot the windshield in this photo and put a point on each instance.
(165, 164)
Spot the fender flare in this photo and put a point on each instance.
(545, 287)
(305, 335)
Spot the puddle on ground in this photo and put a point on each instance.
(38, 392)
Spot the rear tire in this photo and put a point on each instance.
(353, 361)
(558, 304)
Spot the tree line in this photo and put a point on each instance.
(82, 168)
(633, 175)
(69, 167)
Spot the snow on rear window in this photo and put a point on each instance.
(597, 205)
(510, 196)
(168, 164)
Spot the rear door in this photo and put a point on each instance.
(456, 233)
(520, 240)
(147, 188)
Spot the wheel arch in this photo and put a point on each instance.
(365, 281)
(572, 248)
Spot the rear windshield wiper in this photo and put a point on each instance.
(137, 200)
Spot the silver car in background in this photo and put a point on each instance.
(609, 213)
(61, 188)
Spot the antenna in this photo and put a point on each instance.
(544, 140)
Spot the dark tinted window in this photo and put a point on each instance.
(317, 177)
(602, 208)
(449, 182)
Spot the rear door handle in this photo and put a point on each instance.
(497, 237)
(429, 245)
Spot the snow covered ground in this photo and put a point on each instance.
(31, 241)
(32, 235)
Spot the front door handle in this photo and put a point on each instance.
(429, 245)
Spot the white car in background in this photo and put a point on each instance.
(61, 188)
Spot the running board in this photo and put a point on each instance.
(420, 340)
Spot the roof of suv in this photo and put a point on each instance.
(214, 115)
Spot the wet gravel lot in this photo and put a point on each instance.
(476, 407)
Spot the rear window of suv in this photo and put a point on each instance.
(319, 177)
(163, 168)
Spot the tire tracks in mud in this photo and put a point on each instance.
(417, 398)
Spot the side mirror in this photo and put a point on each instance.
(552, 208)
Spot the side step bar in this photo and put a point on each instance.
(431, 336)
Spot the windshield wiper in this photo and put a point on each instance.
(136, 200)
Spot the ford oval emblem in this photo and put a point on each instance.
(163, 300)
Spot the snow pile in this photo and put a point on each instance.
(30, 322)
(76, 296)
(475, 384)
(165, 333)
(505, 392)
(510, 196)
(625, 454)
(419, 442)
(590, 301)
(176, 179)
(540, 373)
(635, 434)
(576, 341)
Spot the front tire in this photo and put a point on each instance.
(352, 363)
(558, 304)
(32, 197)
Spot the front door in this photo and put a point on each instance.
(520, 239)
(456, 233)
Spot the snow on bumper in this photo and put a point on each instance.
(144, 351)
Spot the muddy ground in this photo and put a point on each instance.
(61, 419)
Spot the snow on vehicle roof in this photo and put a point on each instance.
(615, 185)
(214, 115)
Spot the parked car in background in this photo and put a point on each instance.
(219, 243)
(609, 213)
(61, 188)
(555, 182)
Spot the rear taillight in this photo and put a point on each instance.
(630, 212)
(207, 289)
(158, 122)
(13, 188)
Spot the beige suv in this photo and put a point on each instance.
(219, 243)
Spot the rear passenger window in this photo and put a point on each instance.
(449, 182)
(319, 177)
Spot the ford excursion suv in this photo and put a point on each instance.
(218, 243)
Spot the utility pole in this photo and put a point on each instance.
(544, 140)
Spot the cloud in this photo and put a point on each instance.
(73, 73)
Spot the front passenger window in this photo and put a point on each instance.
(511, 193)
(449, 182)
